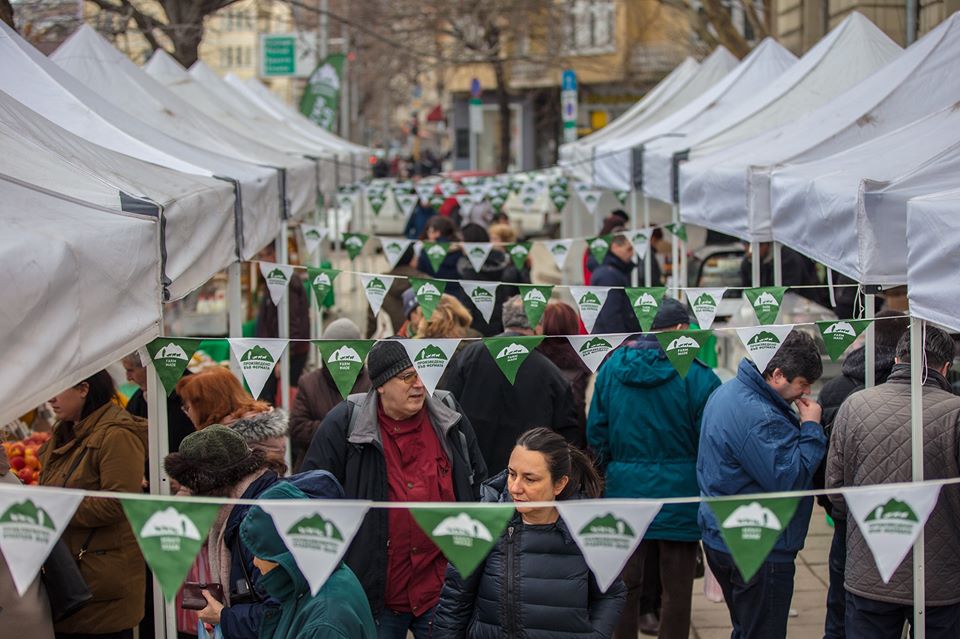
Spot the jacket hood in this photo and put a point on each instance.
(612, 260)
(855, 364)
(258, 427)
(751, 377)
(116, 417)
(494, 490)
(642, 363)
(260, 536)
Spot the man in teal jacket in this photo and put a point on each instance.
(339, 610)
(644, 424)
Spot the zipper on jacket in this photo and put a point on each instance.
(511, 603)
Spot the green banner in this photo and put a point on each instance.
(354, 242)
(344, 360)
(839, 335)
(519, 253)
(170, 534)
(645, 303)
(599, 247)
(680, 230)
(682, 347)
(765, 302)
(465, 535)
(428, 294)
(321, 97)
(535, 300)
(510, 352)
(436, 252)
(170, 357)
(751, 527)
(321, 282)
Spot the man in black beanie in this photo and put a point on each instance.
(397, 443)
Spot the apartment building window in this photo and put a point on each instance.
(589, 27)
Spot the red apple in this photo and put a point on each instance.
(18, 463)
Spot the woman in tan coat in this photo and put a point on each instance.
(97, 445)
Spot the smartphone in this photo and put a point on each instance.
(193, 599)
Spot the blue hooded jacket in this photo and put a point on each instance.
(644, 424)
(751, 441)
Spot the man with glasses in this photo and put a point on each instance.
(397, 443)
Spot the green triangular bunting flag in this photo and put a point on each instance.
(376, 200)
(679, 230)
(518, 253)
(535, 300)
(428, 294)
(599, 247)
(682, 347)
(321, 281)
(765, 302)
(465, 535)
(622, 196)
(559, 200)
(170, 534)
(344, 360)
(354, 242)
(750, 528)
(839, 335)
(645, 303)
(170, 356)
(436, 252)
(510, 352)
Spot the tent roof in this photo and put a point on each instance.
(717, 187)
(765, 63)
(850, 52)
(53, 257)
(933, 257)
(825, 209)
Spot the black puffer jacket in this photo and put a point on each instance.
(533, 584)
(498, 267)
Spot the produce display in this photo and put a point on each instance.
(23, 457)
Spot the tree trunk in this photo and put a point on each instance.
(503, 108)
(6, 13)
(727, 34)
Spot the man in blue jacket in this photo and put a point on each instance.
(751, 441)
(645, 426)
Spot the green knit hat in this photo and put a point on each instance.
(212, 458)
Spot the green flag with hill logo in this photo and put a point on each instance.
(483, 295)
(170, 534)
(535, 300)
(430, 358)
(645, 303)
(682, 347)
(497, 203)
(679, 230)
(170, 356)
(622, 197)
(589, 300)
(31, 522)
(592, 349)
(705, 302)
(890, 519)
(763, 342)
(277, 277)
(436, 252)
(344, 360)
(257, 357)
(465, 534)
(839, 335)
(376, 200)
(559, 200)
(765, 302)
(599, 247)
(750, 528)
(518, 253)
(317, 533)
(607, 535)
(510, 352)
(375, 287)
(393, 249)
(436, 201)
(312, 236)
(559, 250)
(353, 243)
(321, 282)
(427, 293)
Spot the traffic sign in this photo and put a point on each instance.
(288, 54)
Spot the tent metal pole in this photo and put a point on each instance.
(235, 310)
(283, 324)
(683, 270)
(755, 263)
(870, 344)
(777, 264)
(647, 263)
(917, 370)
(911, 22)
(634, 275)
(675, 253)
(165, 624)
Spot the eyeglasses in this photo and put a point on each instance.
(407, 378)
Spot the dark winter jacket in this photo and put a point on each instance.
(418, 221)
(616, 316)
(559, 351)
(353, 453)
(393, 301)
(751, 441)
(499, 411)
(534, 583)
(871, 445)
(498, 267)
(645, 426)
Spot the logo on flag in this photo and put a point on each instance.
(171, 527)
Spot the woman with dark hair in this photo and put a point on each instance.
(96, 445)
(561, 319)
(553, 592)
(442, 230)
(498, 267)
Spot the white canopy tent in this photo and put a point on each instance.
(197, 232)
(821, 210)
(768, 61)
(718, 188)
(933, 257)
(81, 287)
(853, 50)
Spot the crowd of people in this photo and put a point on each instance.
(637, 429)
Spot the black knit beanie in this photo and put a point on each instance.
(386, 359)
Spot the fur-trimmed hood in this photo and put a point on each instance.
(259, 427)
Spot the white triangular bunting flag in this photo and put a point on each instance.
(640, 238)
(312, 236)
(278, 279)
(477, 253)
(31, 522)
(424, 191)
(376, 287)
(317, 533)
(705, 302)
(483, 295)
(890, 520)
(591, 199)
(580, 187)
(592, 349)
(606, 533)
(257, 356)
(559, 249)
(406, 203)
(449, 188)
(589, 300)
(430, 357)
(466, 203)
(346, 200)
(477, 190)
(763, 342)
(394, 248)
